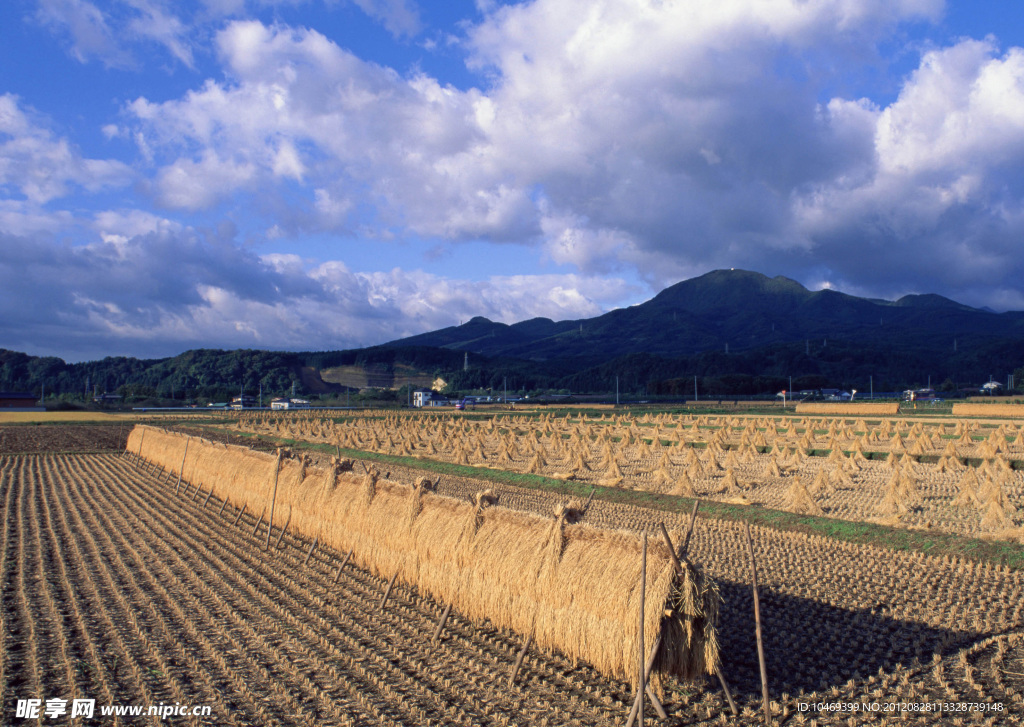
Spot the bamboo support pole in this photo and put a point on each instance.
(342, 566)
(139, 454)
(258, 523)
(387, 591)
(676, 560)
(208, 498)
(273, 499)
(519, 660)
(725, 688)
(181, 470)
(196, 493)
(280, 535)
(239, 515)
(689, 531)
(757, 629)
(223, 504)
(312, 547)
(440, 623)
(647, 687)
(590, 499)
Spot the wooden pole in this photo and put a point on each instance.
(141, 440)
(181, 470)
(239, 515)
(258, 523)
(590, 498)
(725, 688)
(208, 497)
(689, 531)
(647, 687)
(640, 638)
(757, 628)
(222, 506)
(679, 569)
(196, 493)
(387, 591)
(340, 567)
(312, 547)
(519, 660)
(273, 499)
(286, 523)
(440, 624)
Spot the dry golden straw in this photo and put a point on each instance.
(574, 587)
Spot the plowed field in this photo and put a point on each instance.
(43, 438)
(117, 588)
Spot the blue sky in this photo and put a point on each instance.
(318, 174)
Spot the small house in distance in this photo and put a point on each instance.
(245, 401)
(427, 397)
(17, 400)
(287, 403)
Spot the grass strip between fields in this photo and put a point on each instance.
(861, 533)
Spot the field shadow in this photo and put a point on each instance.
(812, 646)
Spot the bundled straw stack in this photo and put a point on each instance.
(574, 587)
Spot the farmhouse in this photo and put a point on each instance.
(17, 400)
(426, 397)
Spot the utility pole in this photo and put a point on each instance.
(872, 380)
(617, 391)
(695, 388)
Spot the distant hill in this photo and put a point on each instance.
(736, 308)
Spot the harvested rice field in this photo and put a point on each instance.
(955, 476)
(122, 584)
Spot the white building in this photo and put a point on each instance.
(426, 397)
(286, 403)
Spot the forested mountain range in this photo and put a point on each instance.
(738, 332)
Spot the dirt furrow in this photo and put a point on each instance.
(25, 669)
(170, 633)
(93, 669)
(69, 684)
(130, 645)
(6, 639)
(213, 691)
(178, 619)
